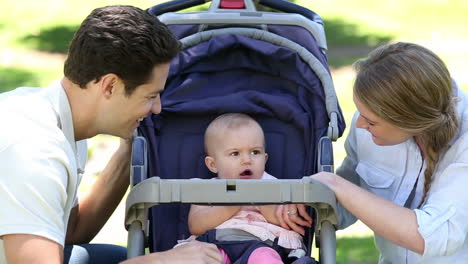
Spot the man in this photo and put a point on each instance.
(117, 65)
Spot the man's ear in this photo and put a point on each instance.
(211, 164)
(108, 84)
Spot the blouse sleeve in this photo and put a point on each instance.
(443, 218)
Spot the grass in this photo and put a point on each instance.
(356, 250)
(50, 39)
(12, 77)
(412, 20)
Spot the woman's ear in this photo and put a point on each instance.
(211, 164)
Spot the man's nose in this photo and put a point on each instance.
(156, 107)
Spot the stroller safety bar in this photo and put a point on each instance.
(155, 191)
(240, 18)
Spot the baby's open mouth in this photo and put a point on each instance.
(246, 173)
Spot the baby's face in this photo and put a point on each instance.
(240, 154)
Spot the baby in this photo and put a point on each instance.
(235, 148)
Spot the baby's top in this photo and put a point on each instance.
(249, 219)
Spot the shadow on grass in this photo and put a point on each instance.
(346, 44)
(10, 78)
(54, 39)
(356, 250)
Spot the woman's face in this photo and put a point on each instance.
(383, 133)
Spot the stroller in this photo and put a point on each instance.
(269, 65)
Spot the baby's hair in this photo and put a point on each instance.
(227, 121)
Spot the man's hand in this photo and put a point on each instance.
(194, 252)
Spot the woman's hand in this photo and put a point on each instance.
(293, 217)
(326, 178)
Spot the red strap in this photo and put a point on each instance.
(232, 4)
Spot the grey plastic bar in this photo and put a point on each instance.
(154, 191)
(327, 243)
(333, 131)
(138, 171)
(242, 17)
(325, 155)
(136, 240)
(331, 101)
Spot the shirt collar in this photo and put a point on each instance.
(59, 100)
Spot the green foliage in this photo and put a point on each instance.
(341, 32)
(11, 78)
(347, 43)
(52, 39)
(416, 19)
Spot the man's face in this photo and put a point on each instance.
(128, 111)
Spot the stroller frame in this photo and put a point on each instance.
(148, 192)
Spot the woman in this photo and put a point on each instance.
(406, 167)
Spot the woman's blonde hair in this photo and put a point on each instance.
(410, 87)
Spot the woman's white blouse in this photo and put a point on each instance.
(391, 172)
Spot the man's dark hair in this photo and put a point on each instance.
(123, 40)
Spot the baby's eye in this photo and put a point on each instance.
(371, 124)
(256, 152)
(234, 153)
